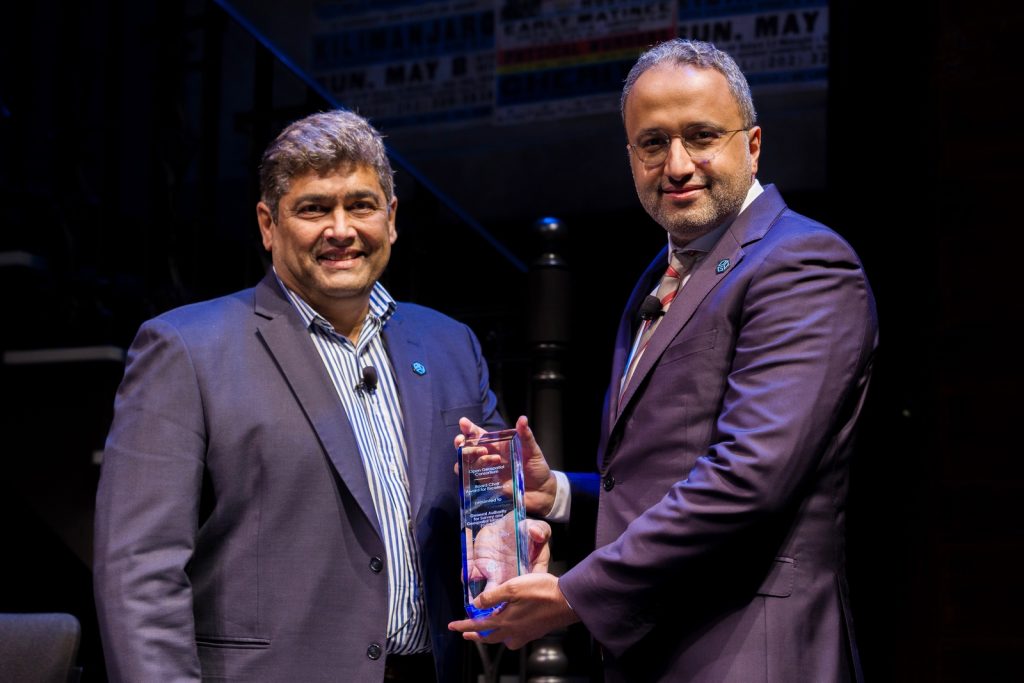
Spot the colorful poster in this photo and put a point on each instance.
(410, 62)
(563, 58)
(775, 43)
(405, 63)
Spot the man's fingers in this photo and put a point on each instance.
(490, 598)
(539, 530)
(469, 428)
(525, 433)
(540, 552)
(467, 626)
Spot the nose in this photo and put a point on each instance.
(337, 227)
(678, 163)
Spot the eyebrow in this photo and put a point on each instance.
(330, 198)
(695, 124)
(319, 198)
(363, 194)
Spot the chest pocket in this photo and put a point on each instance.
(689, 346)
(450, 417)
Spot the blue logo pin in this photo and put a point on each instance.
(722, 266)
(419, 368)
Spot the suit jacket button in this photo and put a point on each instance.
(608, 483)
(376, 564)
(374, 651)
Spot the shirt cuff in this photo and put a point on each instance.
(563, 499)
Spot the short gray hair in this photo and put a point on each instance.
(323, 142)
(680, 51)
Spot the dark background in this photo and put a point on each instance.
(127, 187)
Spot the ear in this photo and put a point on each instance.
(392, 212)
(754, 145)
(265, 218)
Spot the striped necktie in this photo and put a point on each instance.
(668, 288)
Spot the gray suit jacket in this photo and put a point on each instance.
(235, 534)
(720, 528)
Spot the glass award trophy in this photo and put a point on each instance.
(494, 534)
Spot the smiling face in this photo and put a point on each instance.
(689, 199)
(331, 240)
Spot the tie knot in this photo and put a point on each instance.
(682, 261)
(679, 264)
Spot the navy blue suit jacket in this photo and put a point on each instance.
(721, 523)
(235, 533)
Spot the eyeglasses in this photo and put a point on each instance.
(702, 144)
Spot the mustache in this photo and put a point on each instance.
(689, 184)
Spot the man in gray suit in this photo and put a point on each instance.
(277, 500)
(740, 369)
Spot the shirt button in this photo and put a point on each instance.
(374, 651)
(608, 483)
(376, 564)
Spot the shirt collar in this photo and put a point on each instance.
(382, 306)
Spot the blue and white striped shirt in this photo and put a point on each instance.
(377, 423)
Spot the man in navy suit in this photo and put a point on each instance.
(737, 383)
(277, 500)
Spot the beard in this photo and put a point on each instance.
(723, 196)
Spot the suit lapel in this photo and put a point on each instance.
(748, 227)
(281, 329)
(415, 392)
(627, 331)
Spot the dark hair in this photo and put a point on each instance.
(697, 53)
(321, 143)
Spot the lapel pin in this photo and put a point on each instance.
(419, 368)
(722, 266)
